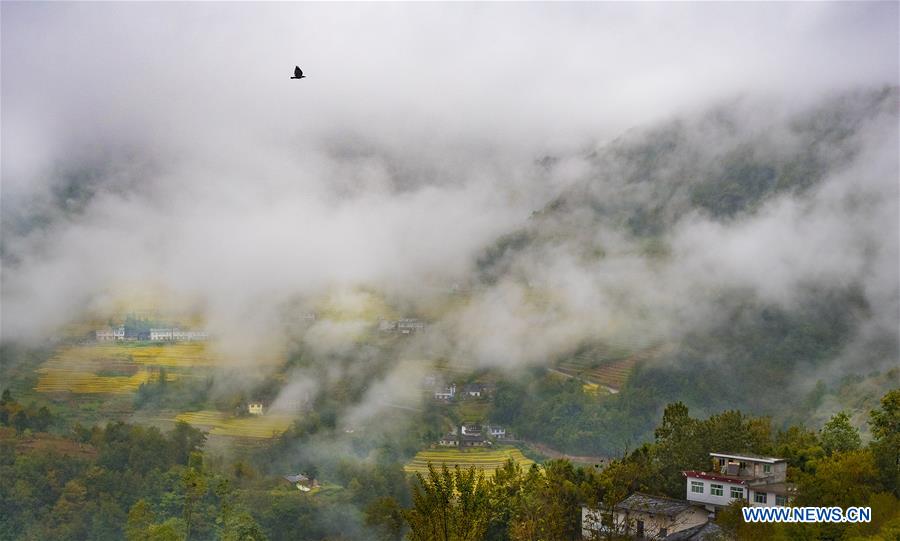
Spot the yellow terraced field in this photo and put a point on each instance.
(114, 368)
(51, 380)
(186, 354)
(220, 424)
(488, 460)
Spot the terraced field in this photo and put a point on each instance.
(53, 380)
(183, 354)
(604, 366)
(488, 460)
(116, 368)
(220, 424)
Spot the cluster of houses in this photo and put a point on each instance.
(447, 393)
(473, 435)
(169, 334)
(753, 479)
(409, 325)
(111, 334)
(175, 334)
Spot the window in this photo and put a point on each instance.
(663, 532)
(697, 487)
(737, 493)
(760, 497)
(715, 490)
(767, 469)
(640, 528)
(780, 500)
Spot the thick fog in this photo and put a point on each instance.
(164, 147)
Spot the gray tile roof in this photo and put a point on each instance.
(657, 505)
(708, 531)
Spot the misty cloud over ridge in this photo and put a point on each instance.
(164, 144)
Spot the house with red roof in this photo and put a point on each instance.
(755, 479)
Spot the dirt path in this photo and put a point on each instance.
(553, 453)
(570, 376)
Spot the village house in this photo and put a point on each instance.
(470, 429)
(471, 435)
(643, 517)
(410, 325)
(302, 482)
(255, 408)
(757, 480)
(467, 435)
(446, 393)
(450, 439)
(110, 335)
(401, 326)
(496, 431)
(473, 390)
(175, 334)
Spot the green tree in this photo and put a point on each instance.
(140, 518)
(241, 526)
(385, 516)
(449, 506)
(884, 423)
(194, 485)
(843, 479)
(839, 436)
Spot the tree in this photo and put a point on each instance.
(385, 516)
(843, 479)
(193, 482)
(884, 423)
(449, 506)
(140, 518)
(240, 526)
(839, 436)
(185, 439)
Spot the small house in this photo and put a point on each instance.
(450, 439)
(410, 326)
(255, 408)
(110, 335)
(642, 516)
(446, 393)
(302, 482)
(473, 390)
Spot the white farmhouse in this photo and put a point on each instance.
(446, 393)
(175, 334)
(758, 480)
(255, 408)
(110, 335)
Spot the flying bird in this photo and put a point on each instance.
(298, 73)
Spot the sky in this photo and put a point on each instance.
(164, 144)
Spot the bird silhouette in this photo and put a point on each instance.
(298, 73)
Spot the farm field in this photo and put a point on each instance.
(604, 367)
(114, 368)
(182, 354)
(53, 380)
(221, 424)
(488, 460)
